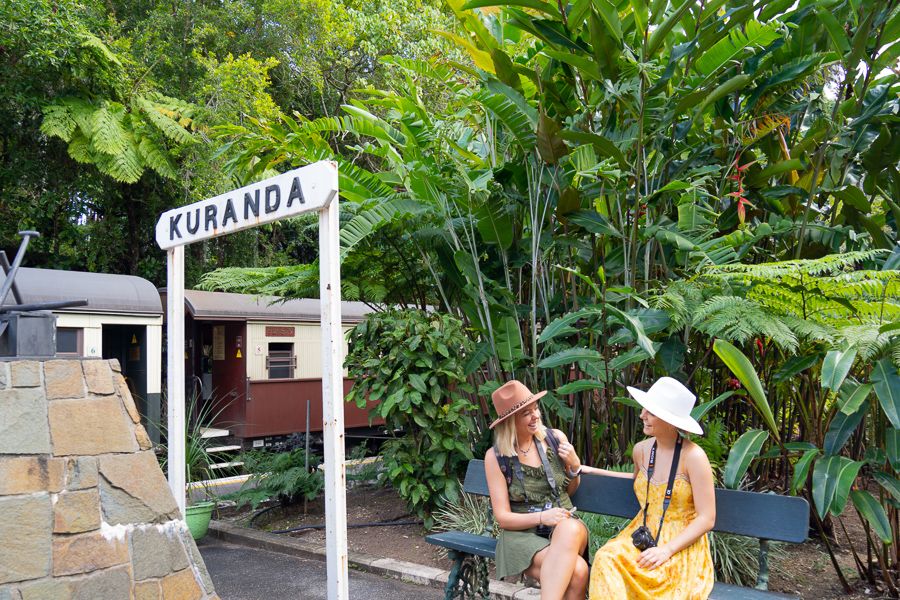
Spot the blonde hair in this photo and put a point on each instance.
(505, 435)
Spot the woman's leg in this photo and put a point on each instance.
(555, 565)
(578, 584)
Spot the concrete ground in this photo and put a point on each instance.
(246, 573)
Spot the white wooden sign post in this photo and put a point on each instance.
(314, 187)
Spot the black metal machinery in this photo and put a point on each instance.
(26, 330)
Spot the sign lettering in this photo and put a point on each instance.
(286, 195)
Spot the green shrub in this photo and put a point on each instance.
(412, 363)
(736, 557)
(468, 513)
(280, 476)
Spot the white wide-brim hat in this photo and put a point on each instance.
(668, 399)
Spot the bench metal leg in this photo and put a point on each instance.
(762, 577)
(468, 579)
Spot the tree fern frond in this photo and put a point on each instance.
(125, 166)
(108, 127)
(738, 319)
(827, 265)
(82, 113)
(100, 49)
(80, 149)
(809, 330)
(302, 280)
(167, 124)
(58, 122)
(156, 157)
(870, 344)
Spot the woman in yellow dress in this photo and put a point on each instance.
(663, 553)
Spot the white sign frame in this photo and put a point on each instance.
(314, 187)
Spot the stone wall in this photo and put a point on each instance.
(85, 511)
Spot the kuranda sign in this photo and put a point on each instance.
(292, 193)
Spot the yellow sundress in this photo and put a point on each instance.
(688, 575)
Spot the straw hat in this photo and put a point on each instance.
(510, 398)
(670, 401)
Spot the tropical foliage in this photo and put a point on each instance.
(610, 191)
(410, 364)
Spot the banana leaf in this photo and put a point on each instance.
(745, 449)
(740, 365)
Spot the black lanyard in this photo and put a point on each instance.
(548, 472)
(672, 471)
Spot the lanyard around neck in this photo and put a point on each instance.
(668, 497)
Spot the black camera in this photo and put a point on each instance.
(642, 538)
(542, 530)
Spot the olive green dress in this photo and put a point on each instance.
(515, 549)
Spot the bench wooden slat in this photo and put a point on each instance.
(468, 543)
(764, 516)
(726, 591)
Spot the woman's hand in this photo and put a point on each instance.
(654, 557)
(553, 516)
(567, 454)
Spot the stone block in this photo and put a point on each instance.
(110, 583)
(81, 473)
(46, 588)
(90, 426)
(98, 377)
(30, 474)
(4, 375)
(155, 553)
(140, 435)
(77, 512)
(23, 422)
(181, 585)
(114, 365)
(25, 373)
(9, 593)
(63, 379)
(134, 490)
(197, 560)
(127, 399)
(26, 529)
(147, 590)
(88, 552)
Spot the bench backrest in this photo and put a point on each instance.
(754, 514)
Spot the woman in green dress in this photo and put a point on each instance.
(531, 470)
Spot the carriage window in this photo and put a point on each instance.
(281, 361)
(69, 341)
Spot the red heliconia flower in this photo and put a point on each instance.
(759, 346)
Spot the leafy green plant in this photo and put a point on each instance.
(411, 365)
(281, 476)
(736, 557)
(199, 415)
(468, 513)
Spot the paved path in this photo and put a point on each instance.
(243, 573)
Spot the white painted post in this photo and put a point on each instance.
(175, 373)
(333, 399)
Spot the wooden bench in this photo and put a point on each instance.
(763, 516)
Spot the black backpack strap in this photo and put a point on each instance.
(505, 466)
(552, 441)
